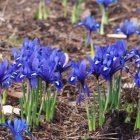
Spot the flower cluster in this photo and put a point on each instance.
(34, 60)
(109, 59)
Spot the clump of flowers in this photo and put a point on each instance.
(128, 28)
(38, 67)
(114, 62)
(104, 4)
(109, 61)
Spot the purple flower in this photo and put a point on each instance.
(128, 28)
(109, 59)
(138, 11)
(90, 24)
(79, 73)
(5, 80)
(28, 48)
(137, 79)
(34, 60)
(111, 65)
(23, 70)
(114, 59)
(23, 67)
(17, 128)
(134, 53)
(47, 71)
(96, 63)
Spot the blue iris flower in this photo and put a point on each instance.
(138, 11)
(109, 59)
(96, 63)
(5, 80)
(118, 49)
(34, 60)
(106, 3)
(49, 64)
(60, 60)
(46, 68)
(48, 74)
(27, 71)
(79, 73)
(23, 66)
(128, 28)
(115, 59)
(134, 53)
(90, 24)
(17, 128)
(137, 78)
(23, 70)
(111, 65)
(28, 48)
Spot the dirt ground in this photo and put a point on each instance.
(17, 22)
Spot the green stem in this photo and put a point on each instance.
(23, 102)
(109, 94)
(40, 110)
(115, 98)
(29, 109)
(39, 89)
(76, 11)
(137, 123)
(104, 20)
(47, 103)
(4, 95)
(92, 49)
(53, 106)
(73, 17)
(88, 116)
(2, 117)
(101, 111)
(42, 12)
(50, 103)
(65, 7)
(119, 91)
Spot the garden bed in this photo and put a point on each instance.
(70, 123)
